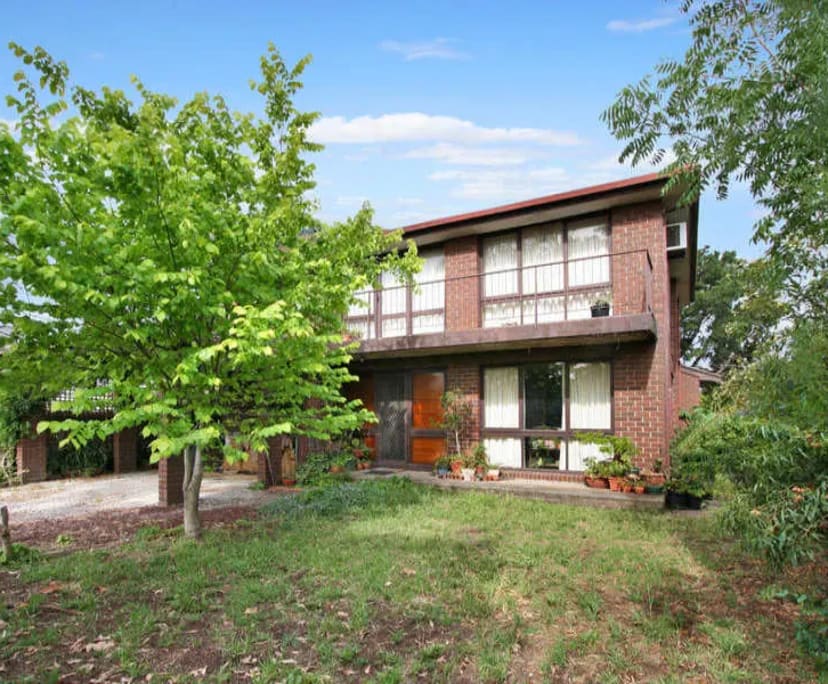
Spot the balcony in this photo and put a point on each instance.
(539, 305)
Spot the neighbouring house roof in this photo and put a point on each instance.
(703, 374)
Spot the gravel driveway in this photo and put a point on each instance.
(83, 496)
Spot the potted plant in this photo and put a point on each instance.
(442, 466)
(457, 415)
(481, 463)
(620, 451)
(595, 474)
(600, 308)
(469, 464)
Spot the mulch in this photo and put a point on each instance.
(113, 527)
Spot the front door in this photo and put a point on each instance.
(392, 412)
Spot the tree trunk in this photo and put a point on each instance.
(5, 535)
(193, 472)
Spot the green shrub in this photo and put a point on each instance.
(367, 497)
(89, 459)
(316, 470)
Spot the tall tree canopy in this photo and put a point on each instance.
(748, 103)
(731, 317)
(166, 258)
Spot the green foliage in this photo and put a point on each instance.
(747, 104)
(92, 458)
(316, 470)
(163, 257)
(370, 496)
(457, 415)
(724, 324)
(16, 409)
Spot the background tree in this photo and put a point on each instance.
(732, 316)
(165, 258)
(748, 103)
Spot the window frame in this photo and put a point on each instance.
(566, 433)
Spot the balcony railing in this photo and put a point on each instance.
(532, 295)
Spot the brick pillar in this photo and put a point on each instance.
(465, 379)
(171, 481)
(124, 450)
(269, 464)
(31, 456)
(462, 284)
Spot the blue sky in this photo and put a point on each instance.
(429, 108)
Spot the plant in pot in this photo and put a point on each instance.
(442, 466)
(691, 480)
(620, 451)
(600, 308)
(481, 462)
(595, 474)
(469, 463)
(456, 417)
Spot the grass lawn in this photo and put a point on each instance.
(437, 587)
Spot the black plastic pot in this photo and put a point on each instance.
(676, 500)
(694, 503)
(599, 310)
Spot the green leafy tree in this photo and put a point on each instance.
(747, 103)
(165, 259)
(733, 314)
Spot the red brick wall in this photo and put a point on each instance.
(125, 450)
(465, 378)
(31, 456)
(171, 481)
(462, 293)
(689, 391)
(641, 373)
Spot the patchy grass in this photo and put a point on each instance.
(390, 582)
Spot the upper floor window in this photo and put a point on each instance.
(545, 273)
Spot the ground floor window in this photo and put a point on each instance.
(532, 411)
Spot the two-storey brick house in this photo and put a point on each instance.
(503, 312)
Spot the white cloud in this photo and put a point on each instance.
(470, 156)
(504, 184)
(350, 201)
(641, 25)
(439, 48)
(416, 126)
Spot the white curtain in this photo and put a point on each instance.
(542, 245)
(500, 390)
(590, 400)
(393, 302)
(589, 245)
(363, 308)
(579, 305)
(579, 452)
(430, 294)
(504, 452)
(500, 279)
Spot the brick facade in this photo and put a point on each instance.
(171, 481)
(642, 382)
(462, 286)
(125, 450)
(31, 456)
(689, 392)
(465, 378)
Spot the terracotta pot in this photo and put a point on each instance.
(656, 479)
(626, 487)
(615, 484)
(456, 466)
(639, 489)
(596, 482)
(288, 483)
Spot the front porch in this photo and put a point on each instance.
(553, 491)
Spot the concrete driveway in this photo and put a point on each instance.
(82, 496)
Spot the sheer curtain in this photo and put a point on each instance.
(393, 302)
(590, 400)
(579, 452)
(589, 244)
(542, 245)
(500, 280)
(500, 392)
(505, 452)
(363, 310)
(430, 294)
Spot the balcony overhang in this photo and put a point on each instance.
(590, 331)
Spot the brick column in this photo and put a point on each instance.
(465, 379)
(124, 450)
(171, 481)
(31, 454)
(269, 464)
(462, 284)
